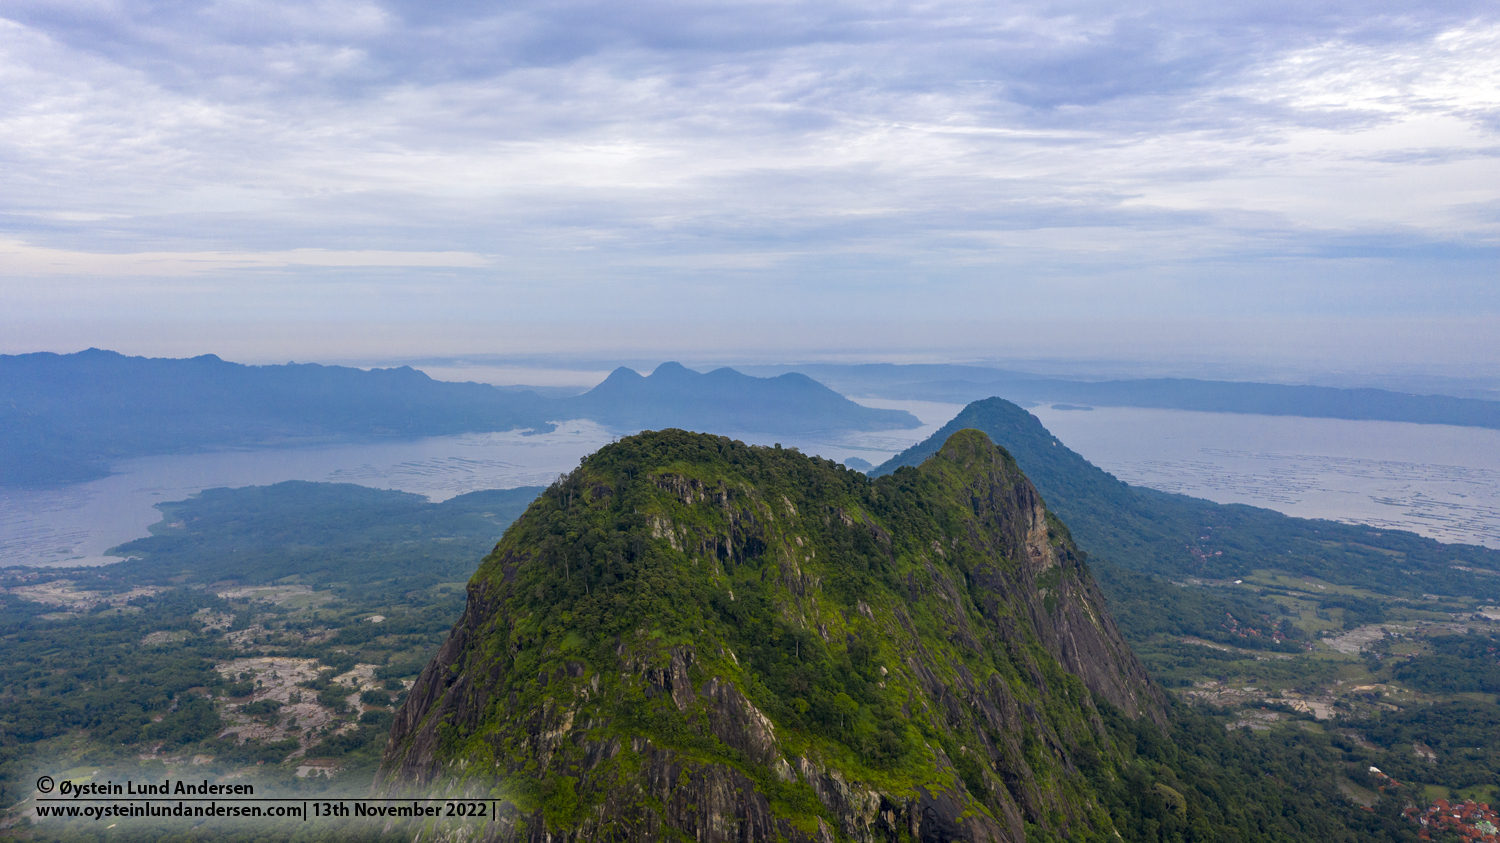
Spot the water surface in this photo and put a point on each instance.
(74, 525)
(1440, 481)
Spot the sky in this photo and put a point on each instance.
(1277, 183)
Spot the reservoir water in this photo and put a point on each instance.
(1442, 482)
(75, 525)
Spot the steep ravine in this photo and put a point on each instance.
(691, 638)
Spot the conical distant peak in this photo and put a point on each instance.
(623, 373)
(672, 370)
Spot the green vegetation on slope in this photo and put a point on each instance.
(1378, 632)
(359, 542)
(890, 631)
(1221, 775)
(1176, 536)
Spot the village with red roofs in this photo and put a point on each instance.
(1471, 821)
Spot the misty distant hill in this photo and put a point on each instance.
(1170, 535)
(726, 401)
(961, 384)
(66, 417)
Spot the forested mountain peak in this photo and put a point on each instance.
(1160, 533)
(688, 635)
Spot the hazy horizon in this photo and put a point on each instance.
(1439, 357)
(1267, 187)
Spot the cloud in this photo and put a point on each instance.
(681, 157)
(21, 259)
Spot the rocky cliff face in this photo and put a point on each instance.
(691, 638)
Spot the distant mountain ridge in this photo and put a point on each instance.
(66, 417)
(726, 400)
(931, 382)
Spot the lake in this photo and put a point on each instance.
(76, 524)
(1439, 481)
